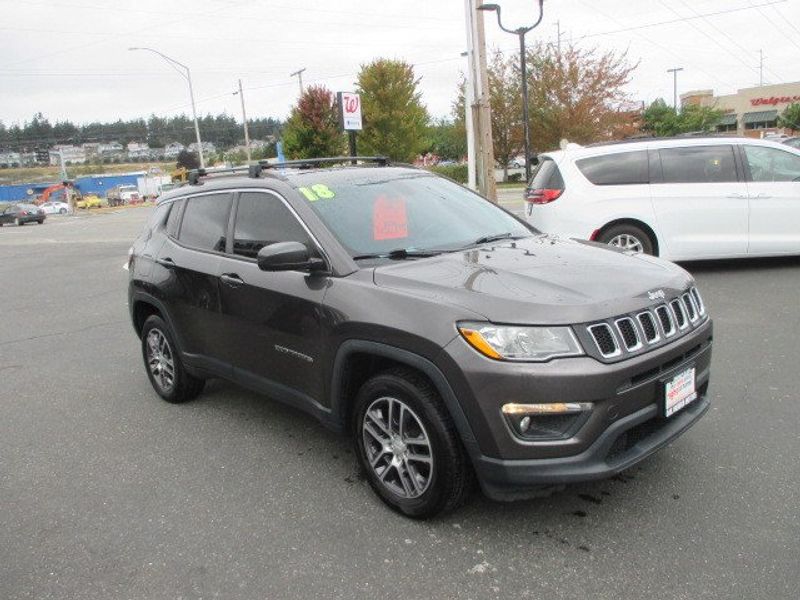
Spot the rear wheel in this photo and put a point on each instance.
(20, 222)
(62, 211)
(628, 237)
(165, 368)
(408, 445)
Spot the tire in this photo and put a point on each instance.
(20, 222)
(629, 237)
(40, 221)
(62, 211)
(440, 484)
(158, 344)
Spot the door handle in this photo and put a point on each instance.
(738, 196)
(231, 279)
(166, 262)
(762, 196)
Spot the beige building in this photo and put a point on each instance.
(752, 112)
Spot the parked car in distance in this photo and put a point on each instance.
(21, 214)
(55, 207)
(445, 335)
(679, 198)
(794, 142)
(89, 201)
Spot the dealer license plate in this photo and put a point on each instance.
(679, 391)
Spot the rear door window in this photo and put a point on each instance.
(698, 164)
(621, 168)
(205, 222)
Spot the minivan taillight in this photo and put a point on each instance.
(542, 195)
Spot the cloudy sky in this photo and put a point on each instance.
(69, 58)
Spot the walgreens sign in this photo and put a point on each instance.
(774, 100)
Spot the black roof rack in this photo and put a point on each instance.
(254, 170)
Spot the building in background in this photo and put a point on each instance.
(752, 112)
(73, 155)
(172, 150)
(139, 151)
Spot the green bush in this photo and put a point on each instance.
(456, 172)
(515, 178)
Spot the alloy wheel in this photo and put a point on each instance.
(627, 241)
(160, 360)
(397, 447)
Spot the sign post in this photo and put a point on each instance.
(350, 117)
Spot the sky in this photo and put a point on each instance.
(69, 59)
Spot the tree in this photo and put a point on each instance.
(446, 139)
(505, 98)
(790, 117)
(577, 94)
(395, 119)
(312, 130)
(188, 160)
(663, 120)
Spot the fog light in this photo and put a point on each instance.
(546, 421)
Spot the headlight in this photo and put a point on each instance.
(504, 342)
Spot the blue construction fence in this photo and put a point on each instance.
(89, 184)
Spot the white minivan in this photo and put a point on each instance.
(679, 198)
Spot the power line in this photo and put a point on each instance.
(774, 24)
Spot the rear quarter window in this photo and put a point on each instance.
(547, 176)
(621, 168)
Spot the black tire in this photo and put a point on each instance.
(20, 222)
(450, 476)
(40, 221)
(625, 229)
(183, 387)
(62, 211)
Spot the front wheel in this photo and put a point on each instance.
(408, 445)
(628, 237)
(62, 211)
(162, 360)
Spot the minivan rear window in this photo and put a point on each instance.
(621, 168)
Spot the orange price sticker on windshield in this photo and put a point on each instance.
(389, 221)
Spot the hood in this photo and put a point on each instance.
(538, 280)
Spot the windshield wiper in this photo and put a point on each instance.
(398, 254)
(496, 237)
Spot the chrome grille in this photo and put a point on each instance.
(698, 300)
(630, 337)
(691, 309)
(603, 336)
(679, 312)
(665, 318)
(648, 325)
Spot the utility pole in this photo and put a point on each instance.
(482, 119)
(558, 28)
(675, 86)
(244, 118)
(760, 68)
(299, 75)
(469, 100)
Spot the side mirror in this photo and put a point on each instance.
(288, 256)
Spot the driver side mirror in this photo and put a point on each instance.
(288, 256)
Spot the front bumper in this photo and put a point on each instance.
(622, 445)
(623, 427)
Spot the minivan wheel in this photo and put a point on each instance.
(408, 445)
(627, 237)
(162, 361)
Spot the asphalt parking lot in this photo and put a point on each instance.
(108, 492)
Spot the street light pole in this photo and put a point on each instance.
(244, 118)
(186, 74)
(675, 86)
(521, 32)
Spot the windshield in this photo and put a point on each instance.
(376, 211)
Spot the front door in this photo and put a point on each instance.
(774, 189)
(274, 320)
(701, 202)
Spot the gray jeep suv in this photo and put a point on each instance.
(451, 340)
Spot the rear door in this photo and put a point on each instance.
(700, 202)
(774, 190)
(187, 269)
(273, 320)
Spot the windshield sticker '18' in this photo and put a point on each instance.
(389, 220)
(316, 192)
